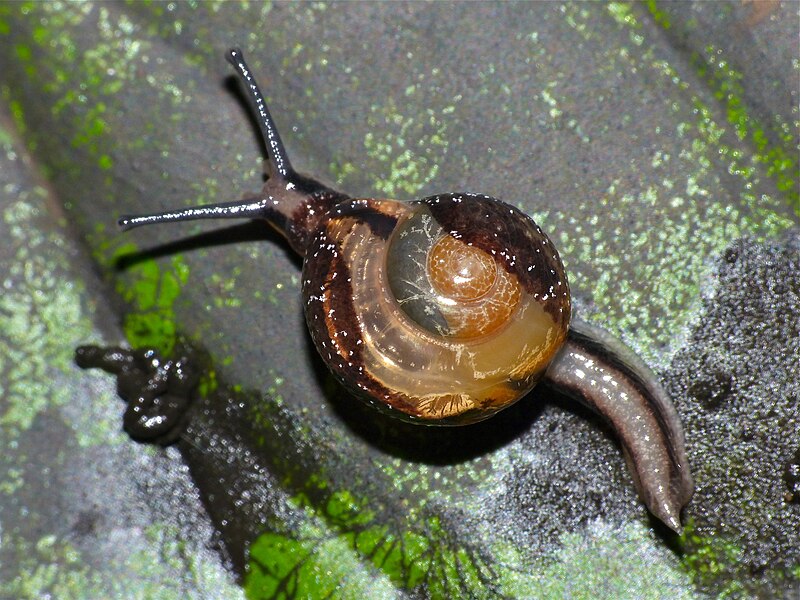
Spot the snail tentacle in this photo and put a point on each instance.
(248, 208)
(278, 159)
(596, 369)
(293, 203)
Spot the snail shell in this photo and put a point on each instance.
(446, 309)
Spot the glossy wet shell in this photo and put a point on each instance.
(444, 310)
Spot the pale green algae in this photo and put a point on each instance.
(54, 567)
(390, 552)
(678, 250)
(150, 290)
(94, 101)
(588, 565)
(709, 559)
(112, 63)
(105, 69)
(366, 553)
(42, 321)
(760, 216)
(410, 147)
(109, 65)
(44, 318)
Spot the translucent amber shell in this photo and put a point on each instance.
(442, 318)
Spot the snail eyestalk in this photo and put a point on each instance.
(250, 208)
(281, 173)
(278, 160)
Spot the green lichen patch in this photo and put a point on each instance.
(6, 141)
(773, 142)
(41, 311)
(406, 149)
(151, 291)
(369, 554)
(85, 58)
(317, 566)
(394, 548)
(587, 565)
(54, 34)
(411, 149)
(671, 282)
(51, 566)
(707, 558)
(622, 13)
(149, 287)
(707, 193)
(422, 555)
(416, 550)
(54, 567)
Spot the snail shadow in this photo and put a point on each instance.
(447, 445)
(251, 231)
(429, 444)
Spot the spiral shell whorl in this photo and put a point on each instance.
(447, 309)
(447, 286)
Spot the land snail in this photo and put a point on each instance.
(445, 310)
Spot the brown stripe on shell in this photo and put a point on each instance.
(513, 239)
(368, 211)
(330, 312)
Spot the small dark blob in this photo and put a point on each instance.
(86, 523)
(791, 475)
(712, 389)
(158, 391)
(731, 254)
